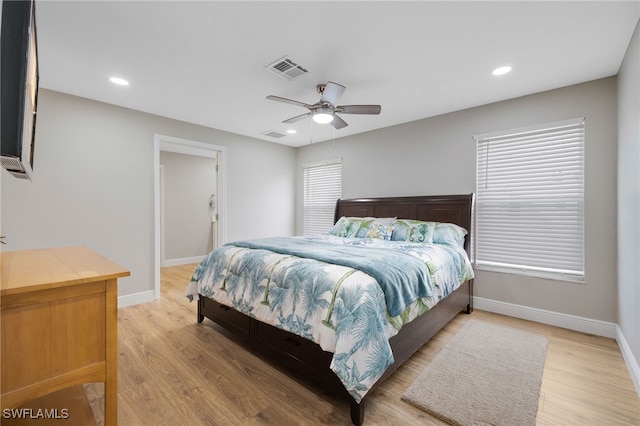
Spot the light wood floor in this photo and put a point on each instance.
(173, 370)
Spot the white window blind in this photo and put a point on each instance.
(530, 201)
(322, 188)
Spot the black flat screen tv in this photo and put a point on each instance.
(18, 86)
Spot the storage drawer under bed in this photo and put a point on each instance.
(297, 353)
(293, 345)
(226, 316)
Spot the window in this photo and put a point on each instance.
(322, 188)
(530, 201)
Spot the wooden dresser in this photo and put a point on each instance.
(58, 323)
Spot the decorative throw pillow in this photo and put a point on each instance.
(351, 227)
(367, 222)
(364, 227)
(338, 226)
(413, 230)
(449, 233)
(379, 231)
(348, 227)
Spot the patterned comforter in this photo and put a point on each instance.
(341, 308)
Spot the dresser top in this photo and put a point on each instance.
(33, 270)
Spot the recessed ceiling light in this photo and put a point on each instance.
(292, 131)
(119, 81)
(501, 70)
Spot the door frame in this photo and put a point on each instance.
(189, 147)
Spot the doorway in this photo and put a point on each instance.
(171, 144)
(188, 197)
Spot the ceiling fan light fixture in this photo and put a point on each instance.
(323, 115)
(324, 111)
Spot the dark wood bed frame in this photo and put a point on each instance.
(305, 357)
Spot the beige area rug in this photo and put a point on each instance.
(486, 375)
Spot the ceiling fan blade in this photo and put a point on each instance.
(338, 122)
(359, 109)
(332, 92)
(297, 118)
(288, 101)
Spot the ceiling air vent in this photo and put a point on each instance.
(285, 67)
(273, 134)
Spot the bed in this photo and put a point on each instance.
(354, 334)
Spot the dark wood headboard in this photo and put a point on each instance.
(436, 208)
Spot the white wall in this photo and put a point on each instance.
(189, 183)
(437, 156)
(93, 184)
(629, 202)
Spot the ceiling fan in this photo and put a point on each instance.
(325, 110)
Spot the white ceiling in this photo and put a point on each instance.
(203, 62)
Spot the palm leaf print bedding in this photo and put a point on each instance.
(339, 307)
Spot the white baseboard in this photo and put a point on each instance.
(182, 261)
(632, 363)
(571, 322)
(136, 298)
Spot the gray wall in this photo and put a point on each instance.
(189, 182)
(629, 197)
(93, 184)
(437, 156)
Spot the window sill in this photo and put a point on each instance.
(549, 275)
